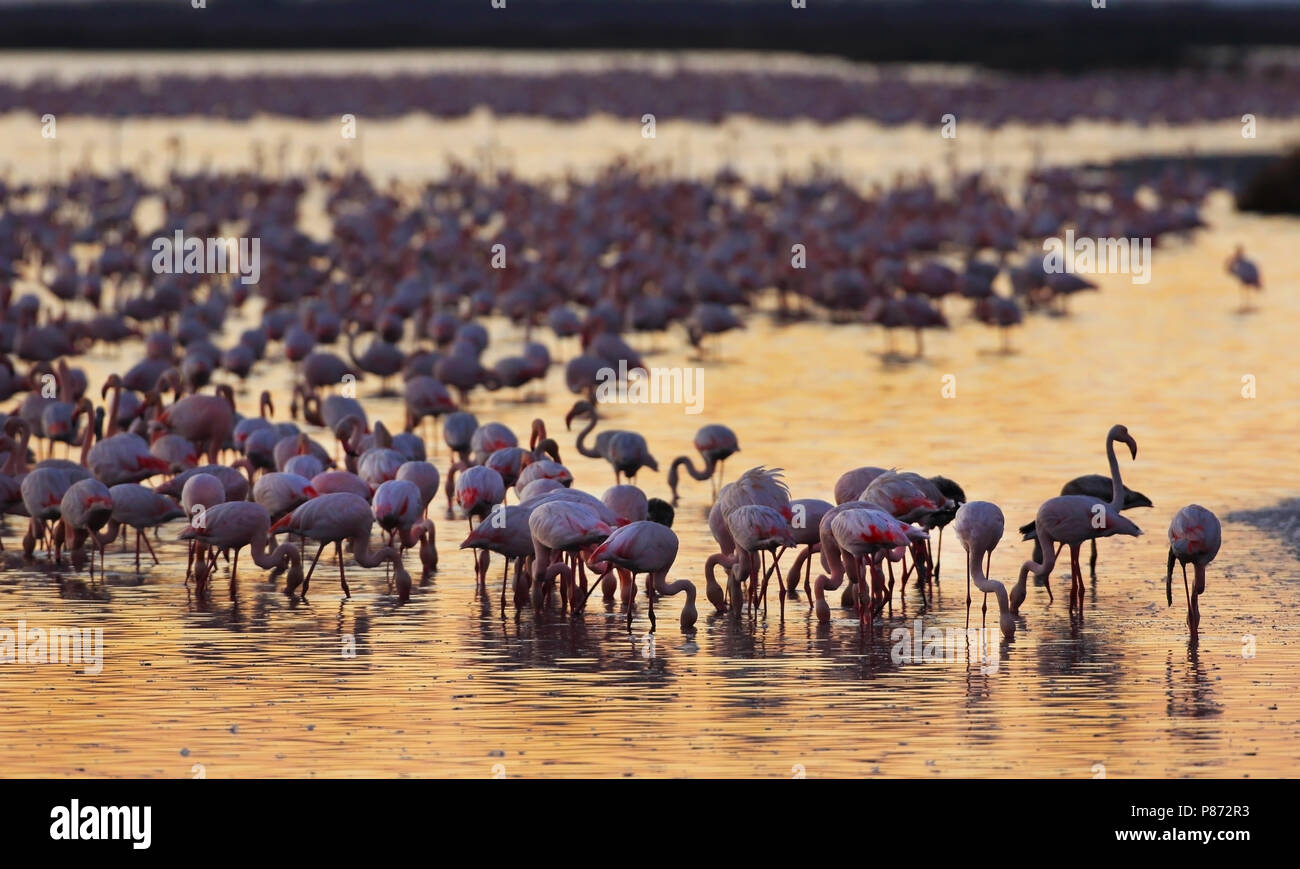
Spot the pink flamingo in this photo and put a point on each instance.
(758, 485)
(1194, 535)
(805, 524)
(207, 420)
(335, 518)
(626, 451)
(234, 525)
(398, 506)
(559, 528)
(138, 507)
(851, 484)
(979, 526)
(1072, 519)
(859, 536)
(716, 443)
(757, 528)
(200, 492)
(86, 507)
(509, 537)
(649, 548)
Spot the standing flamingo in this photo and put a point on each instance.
(1247, 273)
(232, 526)
(562, 527)
(626, 451)
(138, 507)
(649, 548)
(1072, 519)
(979, 526)
(715, 443)
(335, 518)
(1195, 535)
(1094, 486)
(757, 528)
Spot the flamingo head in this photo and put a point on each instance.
(1120, 433)
(580, 408)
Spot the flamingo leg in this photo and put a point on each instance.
(149, 546)
(306, 582)
(343, 580)
(630, 601)
(1169, 579)
(938, 555)
(234, 575)
(650, 599)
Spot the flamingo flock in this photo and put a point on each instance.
(400, 284)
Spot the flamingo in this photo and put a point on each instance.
(560, 527)
(866, 534)
(335, 518)
(1094, 486)
(86, 507)
(234, 525)
(200, 492)
(650, 548)
(715, 443)
(1246, 273)
(851, 484)
(757, 528)
(979, 526)
(1072, 519)
(626, 451)
(806, 527)
(1194, 535)
(138, 507)
(506, 534)
(398, 506)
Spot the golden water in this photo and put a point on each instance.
(258, 685)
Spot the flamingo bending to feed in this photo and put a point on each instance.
(755, 486)
(232, 526)
(1094, 486)
(86, 507)
(138, 507)
(1072, 519)
(757, 528)
(979, 526)
(866, 534)
(626, 451)
(335, 518)
(805, 524)
(715, 443)
(562, 527)
(508, 537)
(1195, 535)
(650, 548)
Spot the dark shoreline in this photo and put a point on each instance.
(1013, 35)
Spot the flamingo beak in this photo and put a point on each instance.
(1132, 445)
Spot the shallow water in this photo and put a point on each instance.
(257, 685)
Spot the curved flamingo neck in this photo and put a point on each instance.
(366, 558)
(581, 444)
(703, 474)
